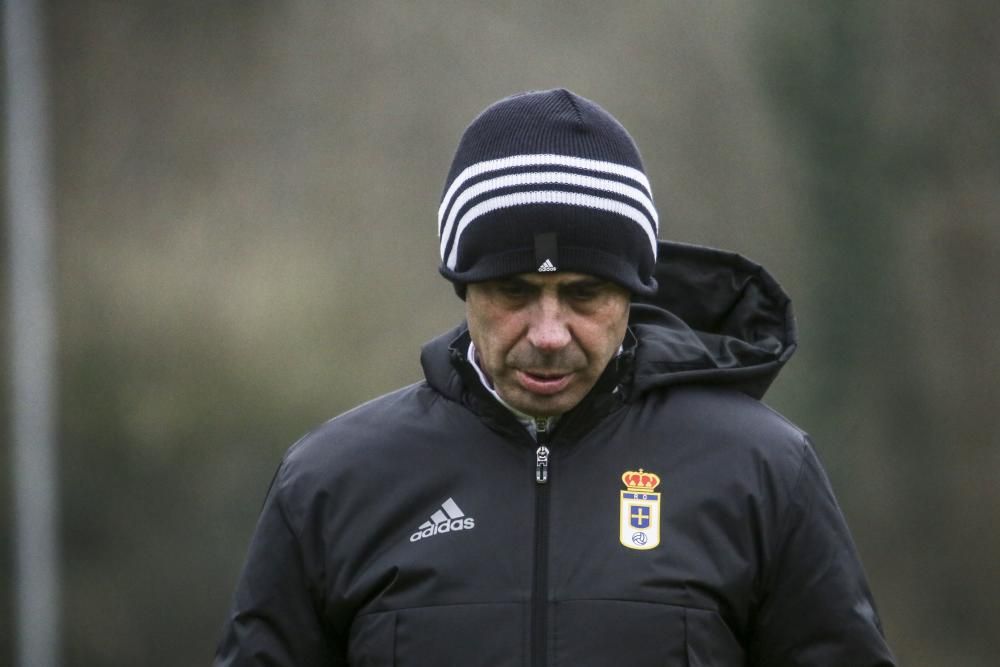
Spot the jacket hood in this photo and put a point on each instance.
(717, 318)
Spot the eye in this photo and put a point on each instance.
(513, 289)
(583, 291)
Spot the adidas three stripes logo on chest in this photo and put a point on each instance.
(450, 518)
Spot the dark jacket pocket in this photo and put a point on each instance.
(601, 633)
(639, 634)
(709, 641)
(373, 640)
(472, 635)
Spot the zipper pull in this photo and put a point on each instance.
(542, 454)
(542, 464)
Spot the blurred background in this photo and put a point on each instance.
(244, 215)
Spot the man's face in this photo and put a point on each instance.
(545, 339)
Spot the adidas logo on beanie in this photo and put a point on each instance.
(547, 181)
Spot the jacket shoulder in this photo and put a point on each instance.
(379, 429)
(726, 423)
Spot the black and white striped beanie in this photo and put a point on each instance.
(547, 181)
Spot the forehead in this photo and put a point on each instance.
(553, 279)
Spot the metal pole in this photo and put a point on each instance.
(32, 338)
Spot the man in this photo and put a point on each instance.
(586, 476)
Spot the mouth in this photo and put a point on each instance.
(545, 384)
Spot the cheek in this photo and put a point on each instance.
(502, 340)
(621, 319)
(606, 339)
(619, 328)
(493, 336)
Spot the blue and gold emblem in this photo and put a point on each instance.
(640, 511)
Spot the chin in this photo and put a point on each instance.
(545, 407)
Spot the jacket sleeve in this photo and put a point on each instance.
(275, 619)
(816, 607)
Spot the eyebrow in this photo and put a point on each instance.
(586, 281)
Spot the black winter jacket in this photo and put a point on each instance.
(413, 529)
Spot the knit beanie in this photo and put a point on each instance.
(547, 181)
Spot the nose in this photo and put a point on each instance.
(548, 330)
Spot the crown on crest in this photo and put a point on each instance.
(640, 481)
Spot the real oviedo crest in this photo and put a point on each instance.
(640, 511)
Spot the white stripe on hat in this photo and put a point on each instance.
(550, 197)
(540, 159)
(543, 177)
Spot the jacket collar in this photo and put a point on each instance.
(449, 371)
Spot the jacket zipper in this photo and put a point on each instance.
(539, 592)
(542, 464)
